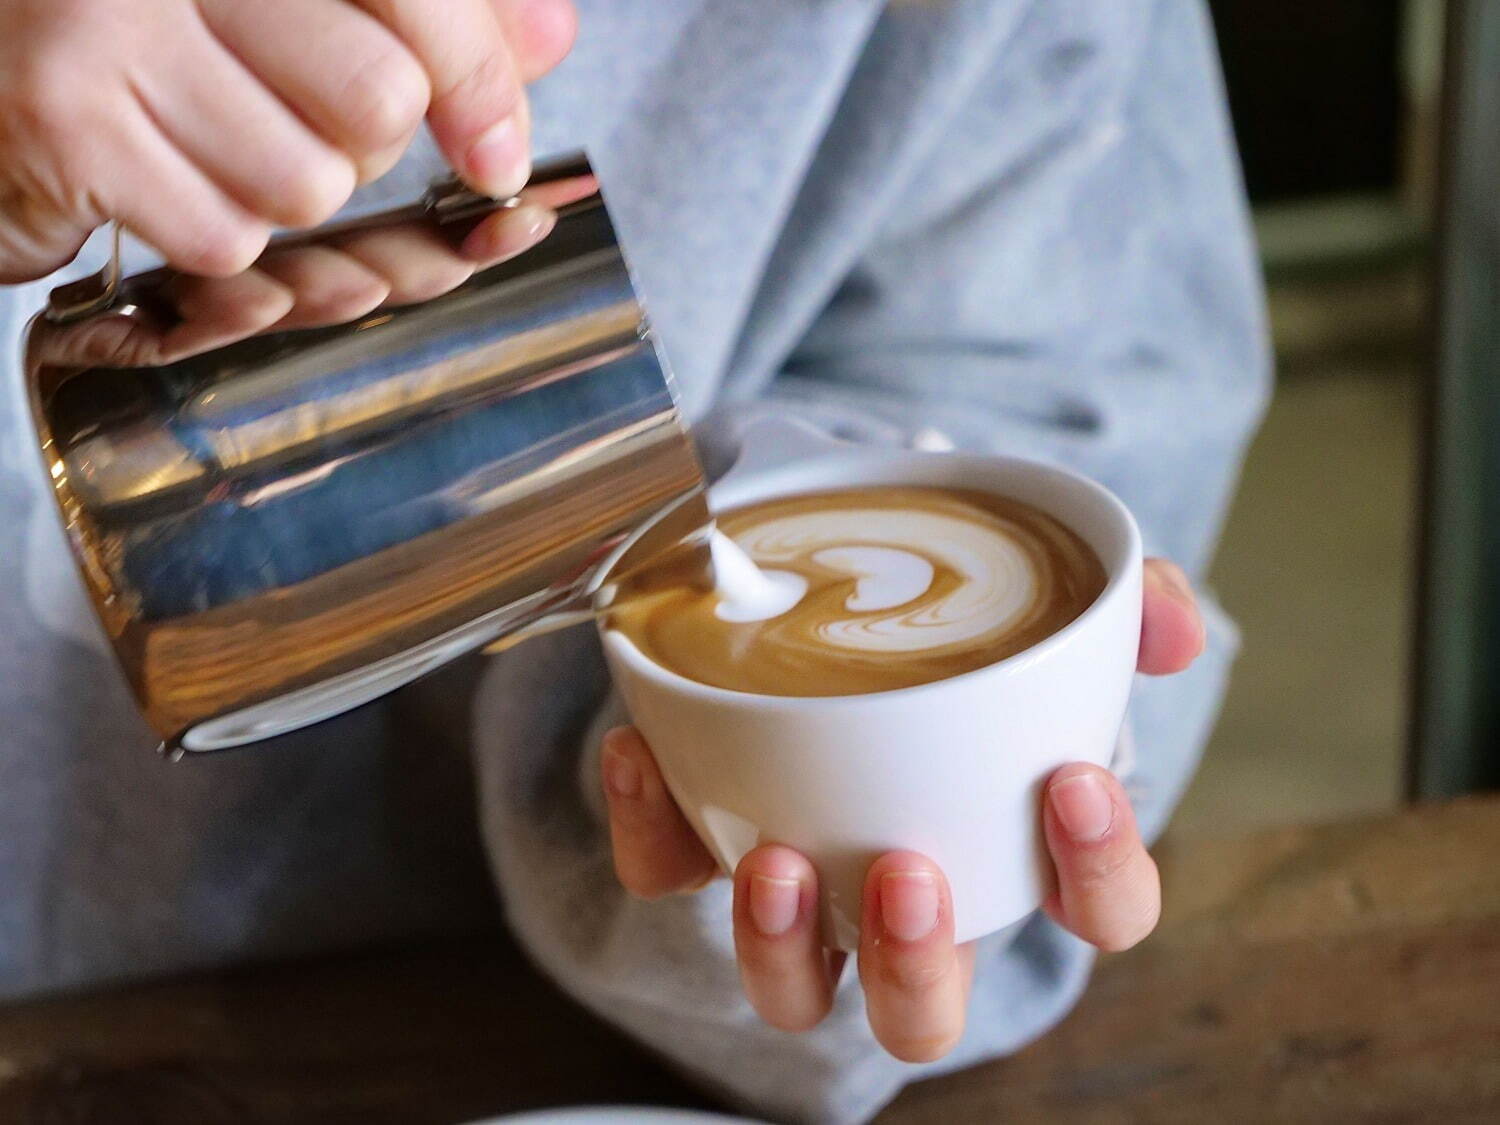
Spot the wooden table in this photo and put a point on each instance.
(1343, 973)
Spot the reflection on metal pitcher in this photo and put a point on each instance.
(283, 512)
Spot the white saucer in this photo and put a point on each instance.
(617, 1115)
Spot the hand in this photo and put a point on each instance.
(203, 124)
(916, 980)
(334, 282)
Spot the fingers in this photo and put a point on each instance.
(540, 33)
(1172, 633)
(915, 980)
(215, 311)
(398, 265)
(508, 233)
(415, 261)
(230, 118)
(244, 138)
(314, 286)
(362, 75)
(557, 194)
(203, 231)
(517, 229)
(1108, 893)
(342, 71)
(331, 287)
(478, 114)
(786, 973)
(656, 851)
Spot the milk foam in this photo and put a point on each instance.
(887, 577)
(747, 593)
(864, 590)
(891, 554)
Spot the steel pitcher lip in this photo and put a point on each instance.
(284, 511)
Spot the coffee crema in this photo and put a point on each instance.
(864, 590)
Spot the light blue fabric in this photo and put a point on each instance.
(1006, 226)
(1010, 225)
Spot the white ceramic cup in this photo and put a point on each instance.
(952, 769)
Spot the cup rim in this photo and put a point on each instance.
(627, 650)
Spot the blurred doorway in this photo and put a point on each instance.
(1336, 104)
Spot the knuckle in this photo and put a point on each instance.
(41, 96)
(50, 128)
(222, 248)
(312, 192)
(1131, 929)
(492, 83)
(383, 101)
(50, 191)
(912, 974)
(1104, 871)
(1109, 867)
(69, 173)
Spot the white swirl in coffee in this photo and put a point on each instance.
(867, 590)
(894, 556)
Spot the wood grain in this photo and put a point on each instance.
(1347, 973)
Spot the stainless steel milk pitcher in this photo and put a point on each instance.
(279, 527)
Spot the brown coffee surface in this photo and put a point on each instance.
(1003, 576)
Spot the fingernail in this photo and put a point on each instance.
(622, 777)
(1083, 806)
(774, 904)
(498, 161)
(908, 904)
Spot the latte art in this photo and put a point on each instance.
(867, 590)
(747, 593)
(894, 557)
